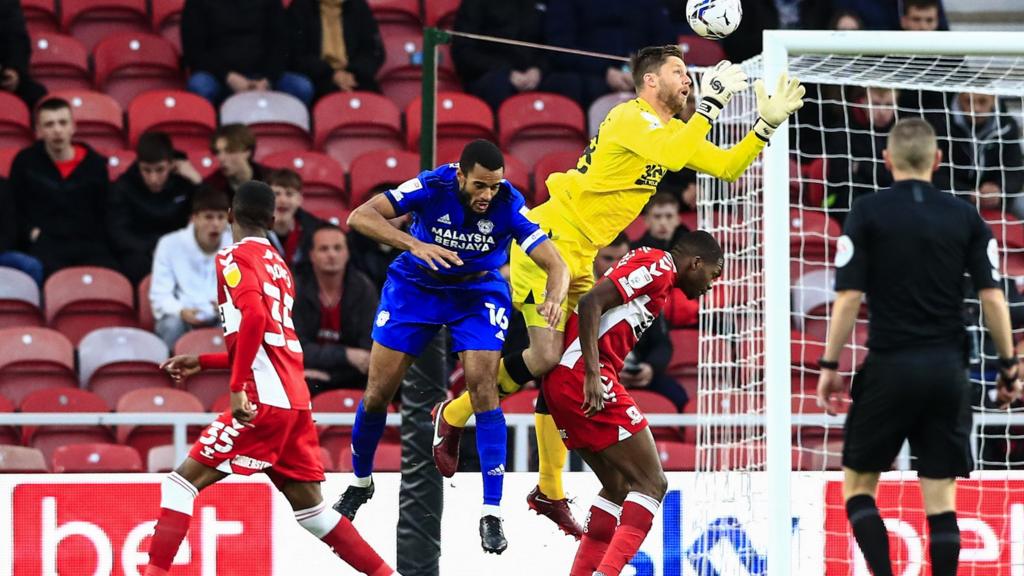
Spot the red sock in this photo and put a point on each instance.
(350, 547)
(597, 533)
(170, 530)
(637, 516)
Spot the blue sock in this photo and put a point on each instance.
(366, 433)
(491, 436)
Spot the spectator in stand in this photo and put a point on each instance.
(234, 146)
(292, 233)
(981, 152)
(846, 20)
(233, 46)
(661, 216)
(60, 193)
(608, 26)
(15, 50)
(333, 314)
(152, 198)
(336, 44)
(926, 16)
(854, 155)
(494, 72)
(10, 257)
(885, 14)
(371, 257)
(183, 292)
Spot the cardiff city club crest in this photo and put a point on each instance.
(485, 226)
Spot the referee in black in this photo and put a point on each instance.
(907, 248)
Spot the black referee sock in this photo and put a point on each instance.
(870, 532)
(944, 543)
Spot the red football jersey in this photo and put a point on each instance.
(276, 377)
(644, 279)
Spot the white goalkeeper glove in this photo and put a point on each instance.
(717, 87)
(773, 110)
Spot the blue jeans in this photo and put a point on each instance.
(23, 262)
(214, 90)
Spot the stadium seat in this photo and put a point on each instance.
(40, 16)
(323, 179)
(130, 63)
(222, 403)
(143, 438)
(395, 17)
(161, 459)
(677, 456)
(279, 121)
(19, 299)
(441, 13)
(33, 359)
(118, 162)
(6, 159)
(334, 438)
(599, 108)
(813, 235)
(818, 455)
(327, 460)
(522, 402)
(143, 304)
(207, 385)
(699, 51)
(804, 351)
(204, 162)
(167, 20)
(553, 162)
(461, 118)
(811, 294)
(93, 20)
(188, 118)
(535, 124)
(15, 122)
(59, 62)
(381, 168)
(113, 361)
(8, 434)
(81, 299)
(401, 76)
(90, 458)
(653, 403)
(63, 400)
(387, 459)
(19, 459)
(517, 174)
(348, 124)
(99, 119)
(685, 344)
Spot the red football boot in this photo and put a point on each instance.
(446, 442)
(556, 510)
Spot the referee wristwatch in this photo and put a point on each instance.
(828, 364)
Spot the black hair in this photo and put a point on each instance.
(209, 198)
(482, 152)
(52, 104)
(620, 240)
(253, 206)
(699, 243)
(154, 147)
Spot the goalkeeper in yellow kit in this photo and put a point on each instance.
(618, 172)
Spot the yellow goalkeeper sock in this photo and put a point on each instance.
(506, 384)
(552, 455)
(458, 411)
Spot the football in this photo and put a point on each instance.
(714, 18)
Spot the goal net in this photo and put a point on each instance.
(834, 155)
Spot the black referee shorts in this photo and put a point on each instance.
(922, 397)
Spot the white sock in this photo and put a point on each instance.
(489, 510)
(362, 482)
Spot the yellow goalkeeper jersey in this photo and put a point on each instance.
(621, 167)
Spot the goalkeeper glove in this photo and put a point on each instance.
(717, 87)
(788, 98)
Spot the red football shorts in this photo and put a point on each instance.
(620, 418)
(283, 443)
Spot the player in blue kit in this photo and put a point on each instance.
(464, 218)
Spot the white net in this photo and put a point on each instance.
(836, 145)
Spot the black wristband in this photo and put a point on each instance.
(828, 364)
(1007, 363)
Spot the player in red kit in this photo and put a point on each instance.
(594, 412)
(269, 426)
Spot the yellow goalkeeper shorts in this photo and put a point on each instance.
(529, 280)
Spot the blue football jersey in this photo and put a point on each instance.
(438, 216)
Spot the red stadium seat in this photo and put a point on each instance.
(93, 20)
(653, 403)
(327, 460)
(813, 235)
(535, 124)
(441, 13)
(63, 400)
(348, 124)
(387, 459)
(554, 162)
(204, 162)
(401, 76)
(81, 299)
(114, 361)
(161, 459)
(684, 351)
(60, 62)
(207, 385)
(517, 174)
(15, 122)
(522, 402)
(143, 304)
(334, 438)
(19, 299)
(600, 108)
(99, 119)
(677, 456)
(143, 438)
(699, 51)
(90, 458)
(381, 168)
(189, 119)
(118, 162)
(397, 17)
(8, 434)
(279, 121)
(6, 159)
(461, 118)
(40, 15)
(130, 63)
(817, 455)
(19, 459)
(323, 179)
(167, 20)
(33, 359)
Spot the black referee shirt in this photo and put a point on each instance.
(907, 248)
